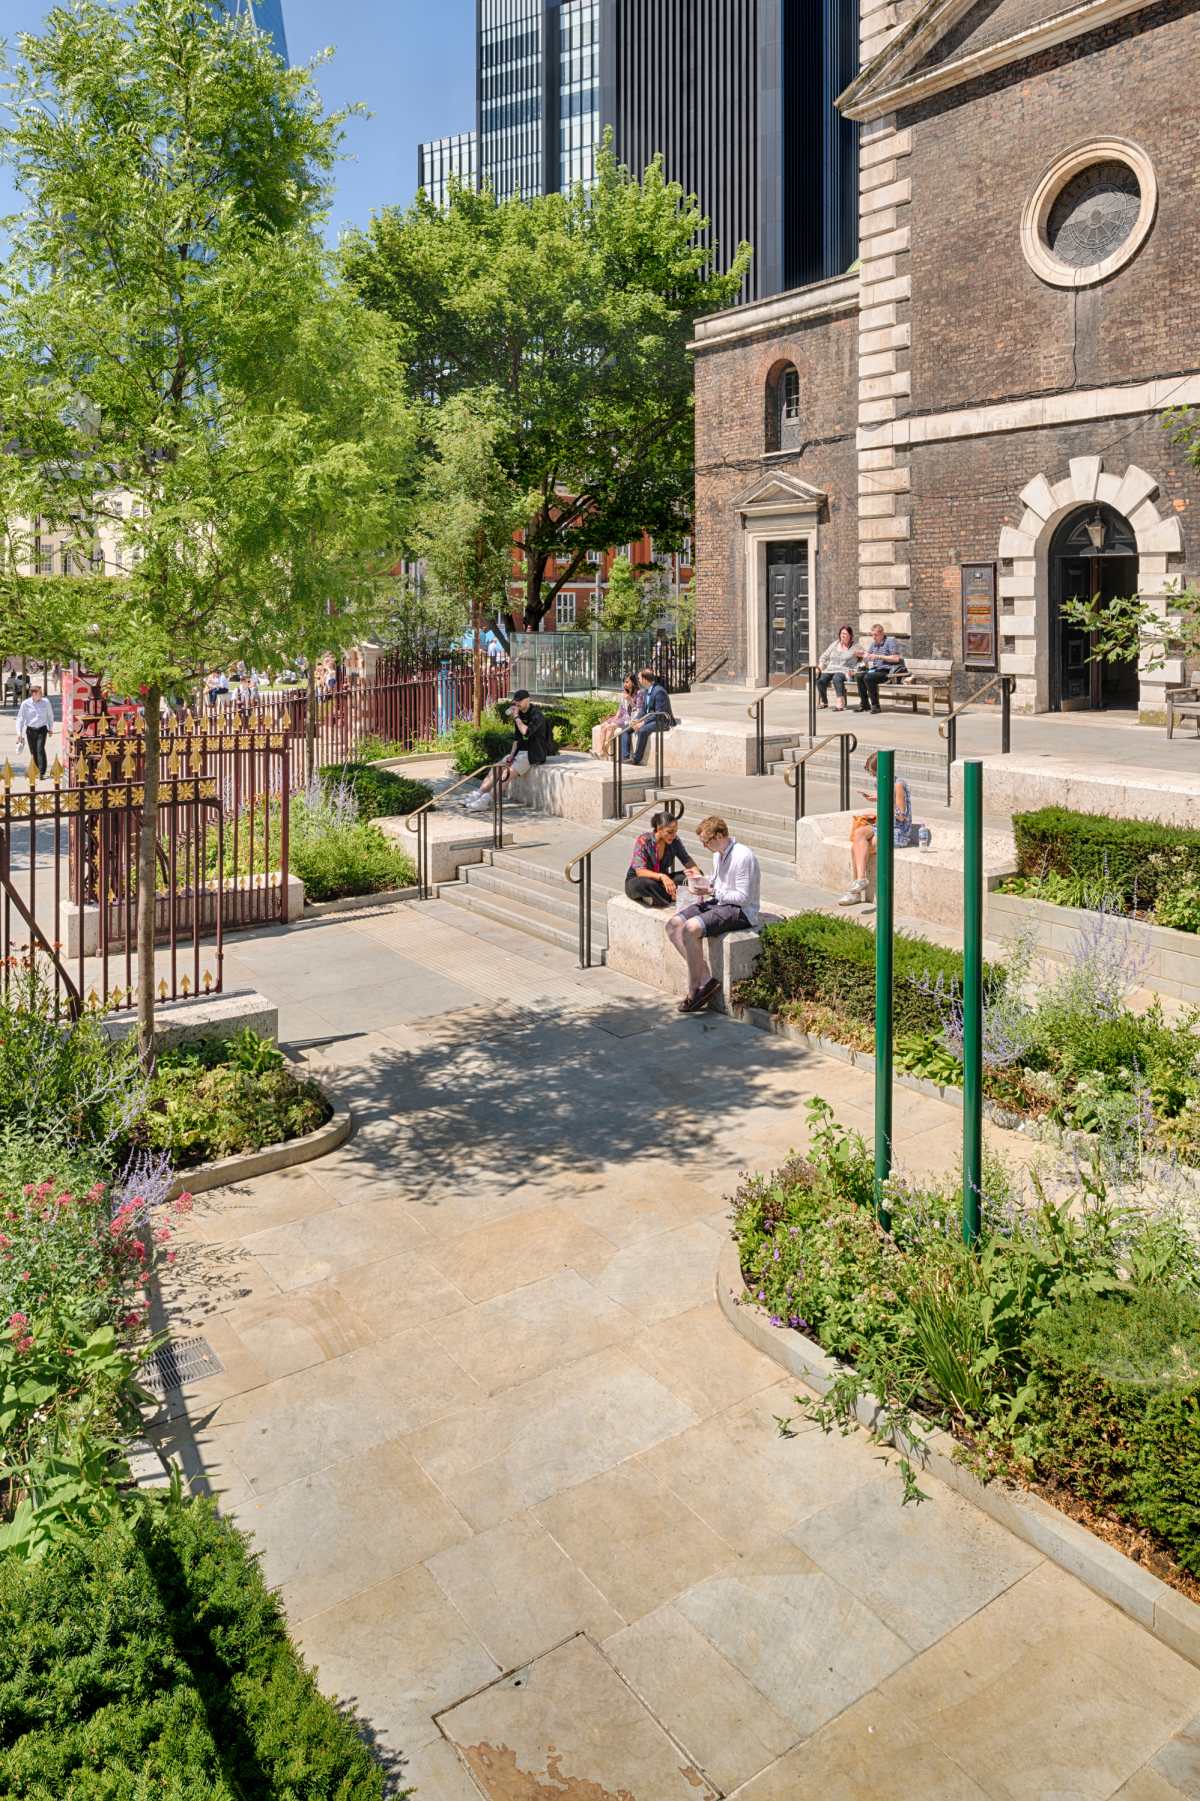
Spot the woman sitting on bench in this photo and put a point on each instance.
(863, 831)
(656, 853)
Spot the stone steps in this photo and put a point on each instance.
(528, 916)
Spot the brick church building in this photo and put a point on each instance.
(968, 428)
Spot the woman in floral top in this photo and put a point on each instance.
(632, 706)
(656, 853)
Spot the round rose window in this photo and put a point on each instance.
(1091, 210)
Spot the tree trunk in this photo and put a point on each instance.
(310, 727)
(146, 880)
(534, 605)
(478, 701)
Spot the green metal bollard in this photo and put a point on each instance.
(972, 999)
(885, 909)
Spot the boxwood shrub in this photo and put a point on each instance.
(1130, 859)
(1116, 1385)
(823, 958)
(380, 793)
(149, 1662)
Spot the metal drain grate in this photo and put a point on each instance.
(183, 1360)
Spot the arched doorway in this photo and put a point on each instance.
(1093, 555)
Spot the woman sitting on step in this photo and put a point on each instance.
(631, 706)
(863, 833)
(656, 853)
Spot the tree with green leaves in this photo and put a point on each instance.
(624, 608)
(577, 308)
(467, 513)
(171, 169)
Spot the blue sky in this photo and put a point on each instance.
(410, 62)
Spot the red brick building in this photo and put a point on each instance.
(968, 429)
(582, 598)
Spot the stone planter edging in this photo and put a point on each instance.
(1170, 1616)
(248, 1164)
(354, 903)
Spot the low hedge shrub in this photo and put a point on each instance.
(148, 1662)
(829, 960)
(1115, 1383)
(349, 858)
(1130, 860)
(379, 793)
(1064, 1350)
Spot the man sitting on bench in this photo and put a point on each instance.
(730, 906)
(884, 659)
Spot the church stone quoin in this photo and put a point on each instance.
(1024, 316)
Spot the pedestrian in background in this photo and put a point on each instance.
(35, 722)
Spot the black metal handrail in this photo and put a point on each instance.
(847, 743)
(418, 821)
(757, 708)
(948, 729)
(659, 776)
(583, 862)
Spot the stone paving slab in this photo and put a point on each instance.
(483, 1417)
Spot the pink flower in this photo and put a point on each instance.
(132, 1318)
(95, 1191)
(18, 1319)
(162, 1234)
(43, 1189)
(184, 1204)
(25, 1344)
(4, 1239)
(24, 1275)
(170, 1256)
(65, 1199)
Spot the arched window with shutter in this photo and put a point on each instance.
(783, 408)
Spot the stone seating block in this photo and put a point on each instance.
(638, 946)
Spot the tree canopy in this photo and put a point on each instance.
(576, 309)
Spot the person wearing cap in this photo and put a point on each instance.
(531, 736)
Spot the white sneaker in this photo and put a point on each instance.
(475, 803)
(854, 896)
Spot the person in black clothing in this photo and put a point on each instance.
(656, 854)
(531, 737)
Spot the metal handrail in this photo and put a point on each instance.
(948, 729)
(418, 821)
(847, 743)
(756, 711)
(658, 736)
(583, 862)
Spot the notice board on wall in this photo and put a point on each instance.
(979, 630)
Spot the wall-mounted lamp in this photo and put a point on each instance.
(1095, 530)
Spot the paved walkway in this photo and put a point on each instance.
(520, 1484)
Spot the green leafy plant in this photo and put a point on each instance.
(1129, 859)
(926, 1054)
(1179, 907)
(148, 1660)
(378, 793)
(199, 1115)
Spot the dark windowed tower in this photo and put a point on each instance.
(267, 15)
(443, 160)
(739, 96)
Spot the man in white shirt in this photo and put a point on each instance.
(731, 905)
(35, 722)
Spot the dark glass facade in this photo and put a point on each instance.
(737, 95)
(444, 159)
(267, 15)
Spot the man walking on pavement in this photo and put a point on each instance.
(35, 722)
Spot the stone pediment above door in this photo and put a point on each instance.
(946, 42)
(782, 494)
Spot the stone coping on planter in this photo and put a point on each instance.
(201, 1016)
(1172, 958)
(1162, 1610)
(354, 903)
(247, 1164)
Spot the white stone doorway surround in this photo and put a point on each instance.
(1024, 576)
(777, 509)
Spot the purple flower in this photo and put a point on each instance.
(762, 1294)
(775, 1257)
(775, 1320)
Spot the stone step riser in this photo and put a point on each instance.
(492, 908)
(556, 904)
(511, 863)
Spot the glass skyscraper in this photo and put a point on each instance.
(267, 15)
(442, 160)
(738, 96)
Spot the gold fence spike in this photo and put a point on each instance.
(129, 763)
(162, 989)
(93, 999)
(57, 772)
(114, 999)
(7, 774)
(173, 761)
(208, 981)
(31, 773)
(102, 726)
(285, 721)
(186, 986)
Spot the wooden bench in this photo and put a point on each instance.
(1183, 703)
(928, 679)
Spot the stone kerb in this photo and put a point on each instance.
(928, 883)
(1017, 787)
(203, 1016)
(75, 921)
(638, 946)
(454, 840)
(1171, 963)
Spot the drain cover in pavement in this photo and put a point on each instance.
(567, 1726)
(183, 1360)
